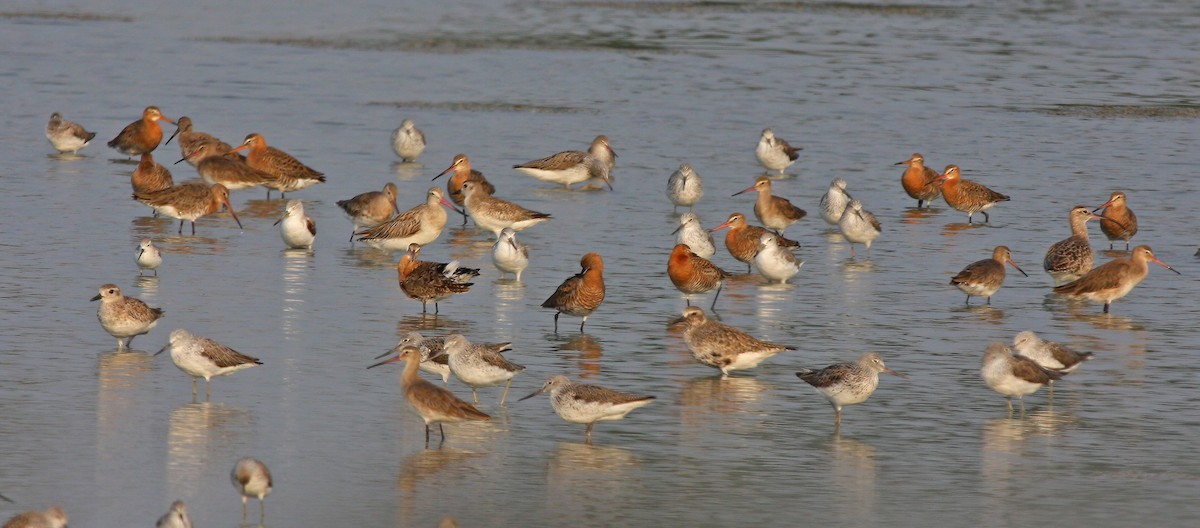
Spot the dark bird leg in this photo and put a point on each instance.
(556, 322)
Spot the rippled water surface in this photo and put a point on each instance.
(1053, 103)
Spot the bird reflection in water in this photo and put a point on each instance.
(266, 209)
(432, 324)
(852, 474)
(297, 264)
(1006, 451)
(584, 474)
(510, 297)
(920, 216)
(467, 245)
(148, 286)
(711, 401)
(425, 477)
(1065, 309)
(198, 438)
(589, 353)
(120, 407)
(407, 170)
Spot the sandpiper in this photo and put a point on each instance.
(743, 239)
(983, 278)
(148, 257)
(693, 274)
(773, 261)
(176, 517)
(1118, 221)
(847, 383)
(968, 196)
(572, 166)
(434, 404)
(297, 229)
(479, 366)
(408, 141)
(201, 357)
(123, 316)
(694, 236)
(722, 346)
(54, 517)
(190, 140)
(1114, 279)
(1048, 354)
(215, 167)
(1072, 257)
(774, 153)
(290, 174)
(372, 208)
(587, 404)
(920, 182)
(494, 214)
(858, 225)
(432, 281)
(774, 212)
(189, 201)
(142, 135)
(684, 187)
(580, 294)
(150, 176)
(252, 479)
(508, 255)
(461, 166)
(1012, 375)
(420, 225)
(67, 136)
(834, 201)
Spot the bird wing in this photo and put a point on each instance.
(403, 225)
(792, 152)
(597, 394)
(827, 376)
(567, 290)
(1105, 277)
(1028, 370)
(224, 356)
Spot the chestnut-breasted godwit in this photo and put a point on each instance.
(1048, 354)
(176, 517)
(834, 201)
(573, 166)
(774, 212)
(201, 357)
(67, 136)
(722, 346)
(919, 181)
(461, 166)
(432, 281)
(694, 236)
(684, 187)
(1114, 279)
(150, 176)
(1117, 221)
(773, 261)
(420, 225)
(494, 214)
(1012, 375)
(289, 173)
(189, 201)
(968, 196)
(252, 479)
(587, 404)
(408, 141)
(54, 517)
(774, 153)
(858, 225)
(123, 316)
(581, 294)
(215, 167)
(1072, 257)
(847, 383)
(372, 208)
(983, 278)
(434, 404)
(693, 274)
(148, 257)
(297, 229)
(479, 366)
(743, 239)
(140, 136)
(508, 255)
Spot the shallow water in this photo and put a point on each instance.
(1051, 103)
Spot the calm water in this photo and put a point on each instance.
(1049, 102)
